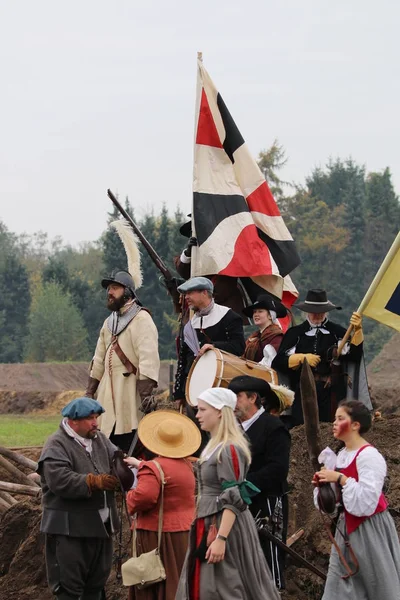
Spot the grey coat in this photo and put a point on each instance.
(244, 573)
(68, 507)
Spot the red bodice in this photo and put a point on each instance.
(352, 522)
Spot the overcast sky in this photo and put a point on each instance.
(98, 94)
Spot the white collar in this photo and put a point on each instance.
(85, 442)
(253, 419)
(314, 328)
(207, 456)
(217, 313)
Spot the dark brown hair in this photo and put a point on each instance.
(258, 401)
(357, 412)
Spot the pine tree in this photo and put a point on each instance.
(353, 257)
(165, 310)
(270, 161)
(341, 187)
(114, 256)
(14, 299)
(321, 238)
(383, 220)
(56, 329)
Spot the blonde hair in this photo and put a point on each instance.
(228, 433)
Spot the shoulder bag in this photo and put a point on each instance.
(147, 569)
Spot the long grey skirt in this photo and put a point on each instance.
(242, 575)
(376, 546)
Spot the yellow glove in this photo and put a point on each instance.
(295, 360)
(358, 336)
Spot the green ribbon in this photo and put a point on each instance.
(246, 489)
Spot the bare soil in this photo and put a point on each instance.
(384, 378)
(22, 568)
(46, 387)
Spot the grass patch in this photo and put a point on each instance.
(26, 430)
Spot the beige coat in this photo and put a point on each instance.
(116, 393)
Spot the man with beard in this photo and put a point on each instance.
(79, 510)
(125, 366)
(269, 467)
(212, 326)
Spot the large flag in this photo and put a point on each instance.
(382, 301)
(238, 225)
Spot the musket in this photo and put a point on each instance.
(169, 279)
(302, 562)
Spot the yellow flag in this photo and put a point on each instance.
(382, 301)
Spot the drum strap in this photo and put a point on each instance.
(208, 340)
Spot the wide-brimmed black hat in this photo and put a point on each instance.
(275, 395)
(186, 228)
(246, 383)
(268, 303)
(316, 302)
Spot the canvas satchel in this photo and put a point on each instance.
(147, 569)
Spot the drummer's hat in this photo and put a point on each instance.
(268, 303)
(197, 284)
(275, 396)
(316, 302)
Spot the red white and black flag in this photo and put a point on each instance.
(239, 229)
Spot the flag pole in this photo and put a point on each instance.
(371, 290)
(196, 120)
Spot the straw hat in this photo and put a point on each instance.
(169, 433)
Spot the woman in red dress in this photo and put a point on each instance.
(172, 437)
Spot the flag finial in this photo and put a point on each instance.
(200, 56)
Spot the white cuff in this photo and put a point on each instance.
(185, 259)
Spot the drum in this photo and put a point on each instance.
(217, 368)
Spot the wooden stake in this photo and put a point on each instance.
(16, 473)
(19, 458)
(294, 537)
(4, 505)
(16, 488)
(8, 498)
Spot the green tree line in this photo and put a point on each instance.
(52, 306)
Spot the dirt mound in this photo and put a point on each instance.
(47, 387)
(43, 377)
(383, 377)
(47, 403)
(314, 545)
(22, 565)
(40, 387)
(22, 570)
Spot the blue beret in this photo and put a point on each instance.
(196, 283)
(81, 408)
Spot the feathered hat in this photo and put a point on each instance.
(132, 279)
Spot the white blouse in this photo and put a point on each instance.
(360, 498)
